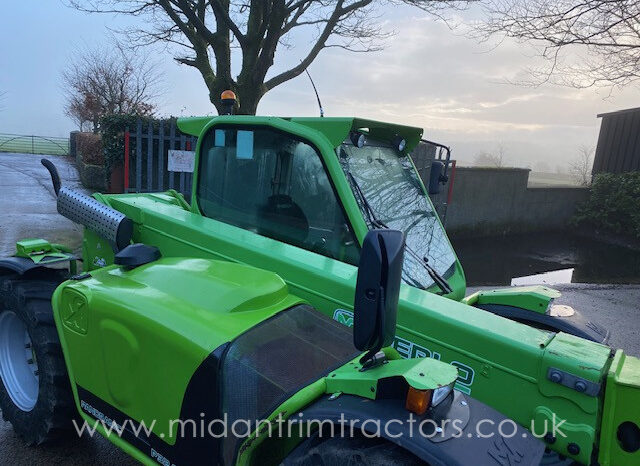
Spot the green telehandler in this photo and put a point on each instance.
(186, 361)
(298, 197)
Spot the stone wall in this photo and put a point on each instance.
(488, 201)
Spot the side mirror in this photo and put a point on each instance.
(377, 290)
(436, 177)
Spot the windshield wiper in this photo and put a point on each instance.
(438, 279)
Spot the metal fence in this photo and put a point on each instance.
(42, 145)
(146, 164)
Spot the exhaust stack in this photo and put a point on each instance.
(106, 222)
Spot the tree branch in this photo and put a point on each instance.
(328, 29)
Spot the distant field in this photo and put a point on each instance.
(34, 144)
(551, 179)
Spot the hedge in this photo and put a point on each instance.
(614, 204)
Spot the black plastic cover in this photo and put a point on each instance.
(136, 255)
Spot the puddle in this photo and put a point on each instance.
(547, 258)
(547, 278)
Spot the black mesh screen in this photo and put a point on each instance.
(270, 362)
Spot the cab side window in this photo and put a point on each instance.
(272, 184)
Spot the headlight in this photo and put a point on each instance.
(418, 401)
(439, 394)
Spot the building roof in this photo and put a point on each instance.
(618, 149)
(619, 112)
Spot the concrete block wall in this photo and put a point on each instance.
(487, 201)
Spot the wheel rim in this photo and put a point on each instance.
(18, 365)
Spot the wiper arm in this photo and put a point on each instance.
(438, 279)
(373, 219)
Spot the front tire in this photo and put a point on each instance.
(35, 394)
(351, 451)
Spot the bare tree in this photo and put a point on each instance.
(209, 34)
(606, 33)
(99, 82)
(580, 167)
(490, 159)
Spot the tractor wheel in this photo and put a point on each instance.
(35, 394)
(551, 458)
(354, 451)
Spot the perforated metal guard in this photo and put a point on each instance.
(108, 223)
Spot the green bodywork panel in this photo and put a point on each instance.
(496, 357)
(500, 362)
(334, 129)
(134, 338)
(153, 326)
(531, 298)
(621, 404)
(421, 374)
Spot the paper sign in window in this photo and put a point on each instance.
(244, 145)
(219, 138)
(181, 161)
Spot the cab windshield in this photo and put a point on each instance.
(391, 187)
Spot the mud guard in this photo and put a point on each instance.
(574, 323)
(34, 254)
(533, 305)
(19, 265)
(474, 433)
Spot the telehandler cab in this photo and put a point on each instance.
(298, 197)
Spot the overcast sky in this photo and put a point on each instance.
(427, 76)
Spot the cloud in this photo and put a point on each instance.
(428, 76)
(458, 90)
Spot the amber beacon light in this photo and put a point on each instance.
(229, 100)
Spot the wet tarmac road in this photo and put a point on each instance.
(27, 209)
(27, 203)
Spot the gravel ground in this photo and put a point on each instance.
(28, 210)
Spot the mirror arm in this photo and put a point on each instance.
(374, 357)
(371, 360)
